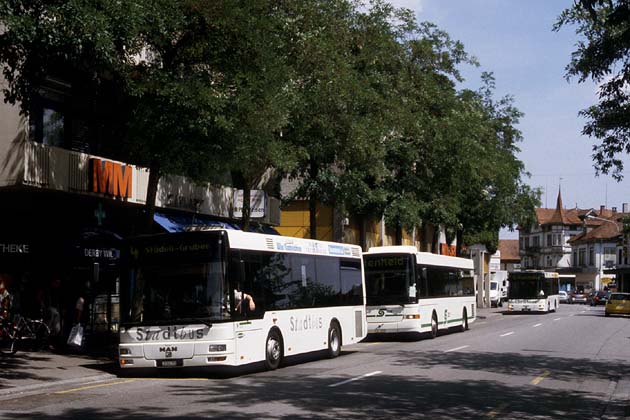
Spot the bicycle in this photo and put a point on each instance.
(14, 335)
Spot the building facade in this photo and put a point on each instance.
(66, 212)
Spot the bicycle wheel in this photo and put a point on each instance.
(7, 341)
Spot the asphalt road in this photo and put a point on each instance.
(571, 364)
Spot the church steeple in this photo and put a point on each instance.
(559, 216)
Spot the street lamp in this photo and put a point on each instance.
(601, 247)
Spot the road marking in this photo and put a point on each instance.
(506, 334)
(492, 414)
(372, 344)
(539, 379)
(479, 323)
(557, 319)
(455, 349)
(376, 372)
(537, 325)
(83, 388)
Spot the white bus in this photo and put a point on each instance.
(227, 297)
(533, 291)
(417, 292)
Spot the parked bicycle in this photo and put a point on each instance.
(23, 334)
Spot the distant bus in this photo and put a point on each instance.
(227, 297)
(533, 291)
(417, 292)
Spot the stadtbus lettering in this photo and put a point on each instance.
(170, 333)
(309, 322)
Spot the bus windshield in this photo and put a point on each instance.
(173, 282)
(388, 279)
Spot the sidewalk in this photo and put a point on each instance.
(485, 313)
(26, 372)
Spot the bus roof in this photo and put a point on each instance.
(265, 242)
(424, 258)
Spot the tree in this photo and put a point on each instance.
(602, 55)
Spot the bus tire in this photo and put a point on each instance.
(334, 340)
(273, 350)
(434, 326)
(464, 321)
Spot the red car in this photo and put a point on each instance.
(578, 297)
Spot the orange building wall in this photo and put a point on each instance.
(295, 221)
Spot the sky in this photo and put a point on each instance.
(514, 40)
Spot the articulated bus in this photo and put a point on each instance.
(533, 291)
(417, 292)
(227, 297)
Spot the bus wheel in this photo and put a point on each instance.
(273, 350)
(464, 321)
(334, 340)
(434, 325)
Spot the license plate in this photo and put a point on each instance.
(169, 363)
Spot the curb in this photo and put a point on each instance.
(50, 384)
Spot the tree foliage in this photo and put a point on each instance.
(360, 103)
(603, 55)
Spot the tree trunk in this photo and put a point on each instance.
(460, 240)
(362, 232)
(312, 200)
(246, 219)
(149, 207)
(399, 234)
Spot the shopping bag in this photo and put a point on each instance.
(76, 336)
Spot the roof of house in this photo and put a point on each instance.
(603, 230)
(509, 250)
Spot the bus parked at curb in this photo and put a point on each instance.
(417, 292)
(533, 291)
(227, 297)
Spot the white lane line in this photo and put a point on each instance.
(557, 319)
(537, 325)
(456, 348)
(506, 334)
(376, 372)
(479, 323)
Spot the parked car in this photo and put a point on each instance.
(563, 296)
(578, 297)
(618, 304)
(598, 297)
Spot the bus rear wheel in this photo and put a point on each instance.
(434, 326)
(334, 341)
(273, 350)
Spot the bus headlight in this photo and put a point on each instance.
(124, 351)
(412, 316)
(124, 362)
(217, 347)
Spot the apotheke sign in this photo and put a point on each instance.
(14, 248)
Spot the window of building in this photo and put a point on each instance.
(575, 259)
(549, 242)
(591, 256)
(536, 241)
(557, 239)
(549, 261)
(581, 257)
